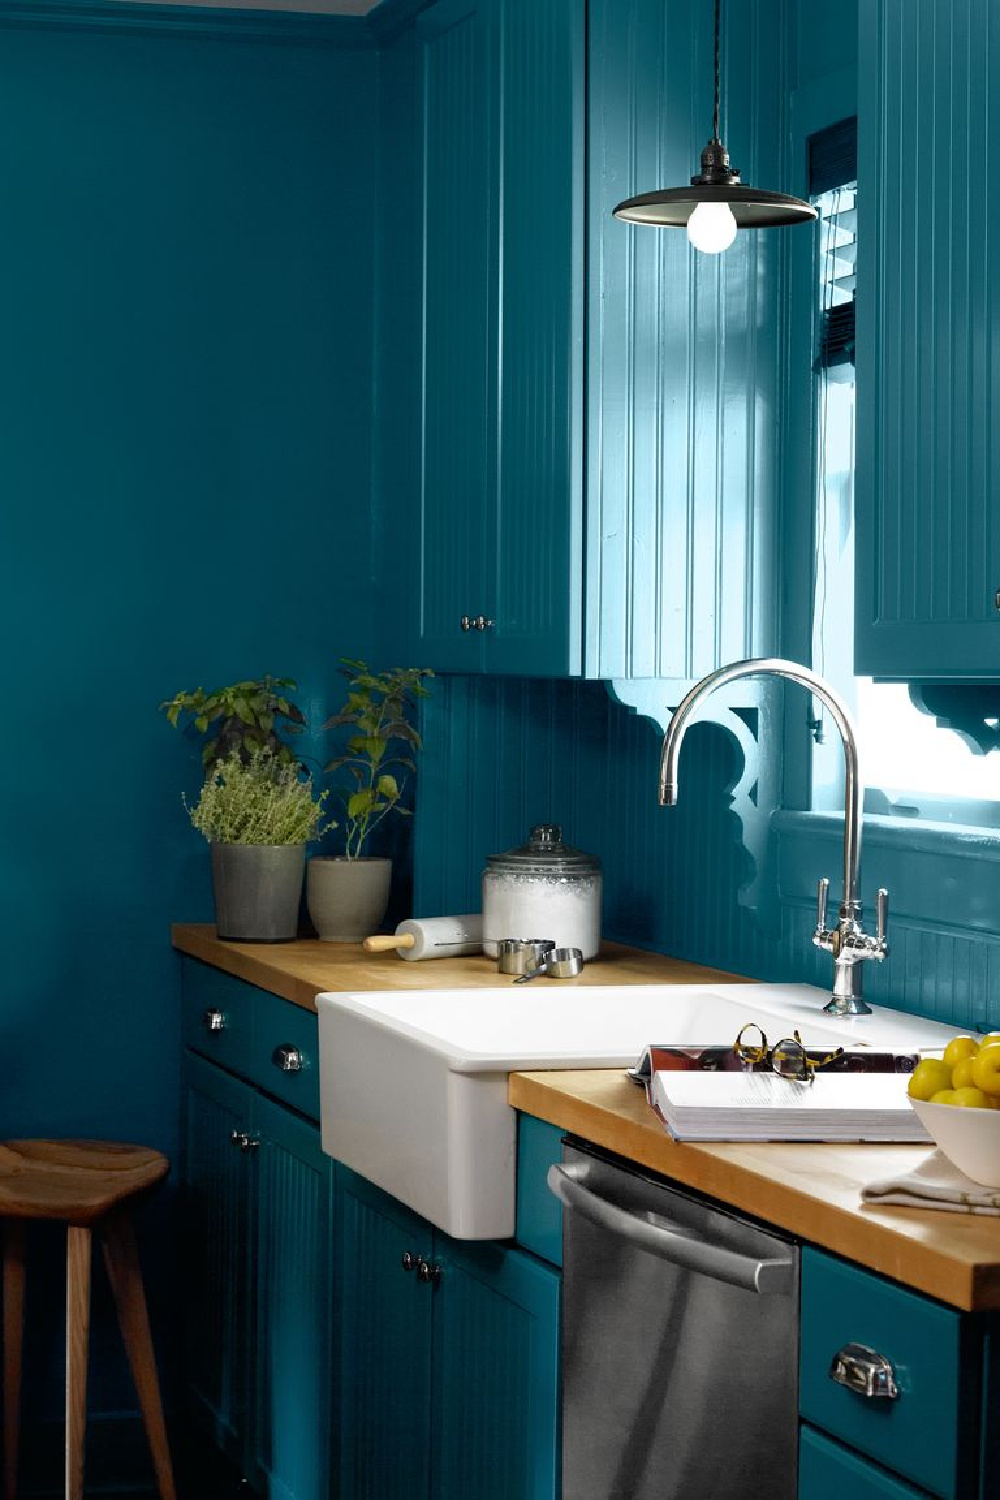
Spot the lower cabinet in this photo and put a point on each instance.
(829, 1472)
(259, 1283)
(320, 1366)
(449, 1360)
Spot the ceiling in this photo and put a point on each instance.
(317, 7)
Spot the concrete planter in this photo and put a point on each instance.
(257, 888)
(347, 898)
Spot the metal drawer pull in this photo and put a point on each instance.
(289, 1059)
(214, 1020)
(676, 1245)
(245, 1139)
(864, 1371)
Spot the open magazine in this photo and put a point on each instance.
(712, 1094)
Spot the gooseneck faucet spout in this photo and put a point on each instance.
(847, 941)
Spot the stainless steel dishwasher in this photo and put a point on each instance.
(679, 1342)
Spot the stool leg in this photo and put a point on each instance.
(122, 1260)
(13, 1327)
(77, 1337)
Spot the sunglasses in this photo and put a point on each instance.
(789, 1057)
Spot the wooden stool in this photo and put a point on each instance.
(87, 1185)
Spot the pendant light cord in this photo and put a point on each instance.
(715, 117)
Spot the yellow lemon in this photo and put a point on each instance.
(969, 1098)
(960, 1047)
(943, 1096)
(929, 1076)
(986, 1068)
(961, 1074)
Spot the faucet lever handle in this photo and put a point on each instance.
(881, 915)
(822, 893)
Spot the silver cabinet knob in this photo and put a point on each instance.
(476, 622)
(289, 1059)
(466, 621)
(409, 1261)
(864, 1371)
(246, 1140)
(214, 1020)
(427, 1272)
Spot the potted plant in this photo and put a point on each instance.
(258, 812)
(347, 894)
(249, 713)
(256, 808)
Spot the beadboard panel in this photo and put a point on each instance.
(683, 349)
(929, 266)
(502, 755)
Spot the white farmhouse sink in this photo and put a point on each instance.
(413, 1084)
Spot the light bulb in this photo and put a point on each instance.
(711, 228)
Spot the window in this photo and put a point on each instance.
(911, 766)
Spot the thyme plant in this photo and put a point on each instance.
(259, 799)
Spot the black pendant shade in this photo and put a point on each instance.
(716, 183)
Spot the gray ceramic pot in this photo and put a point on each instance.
(258, 888)
(347, 898)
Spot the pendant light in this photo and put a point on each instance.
(716, 204)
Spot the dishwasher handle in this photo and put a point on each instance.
(768, 1277)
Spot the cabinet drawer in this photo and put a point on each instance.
(829, 1472)
(218, 1015)
(920, 1434)
(286, 1032)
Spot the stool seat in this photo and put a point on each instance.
(90, 1186)
(76, 1181)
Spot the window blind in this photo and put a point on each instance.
(833, 188)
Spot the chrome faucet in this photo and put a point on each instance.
(847, 941)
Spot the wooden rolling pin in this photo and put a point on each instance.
(431, 937)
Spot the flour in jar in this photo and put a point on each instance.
(567, 910)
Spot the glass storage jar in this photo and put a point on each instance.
(543, 889)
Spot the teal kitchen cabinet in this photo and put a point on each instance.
(684, 349)
(258, 1196)
(938, 1437)
(480, 464)
(928, 430)
(450, 1352)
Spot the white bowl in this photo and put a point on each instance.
(970, 1138)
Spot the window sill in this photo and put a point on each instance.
(936, 873)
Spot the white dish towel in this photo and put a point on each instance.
(936, 1183)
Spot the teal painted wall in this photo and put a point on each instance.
(185, 388)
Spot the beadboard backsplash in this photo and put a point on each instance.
(502, 754)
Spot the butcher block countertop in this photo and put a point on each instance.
(812, 1191)
(301, 970)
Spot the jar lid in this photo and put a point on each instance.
(545, 854)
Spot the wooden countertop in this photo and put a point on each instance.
(303, 969)
(813, 1191)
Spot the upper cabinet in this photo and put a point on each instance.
(683, 412)
(526, 524)
(485, 494)
(928, 433)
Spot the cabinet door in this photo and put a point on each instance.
(457, 114)
(928, 435)
(534, 555)
(385, 1336)
(292, 1318)
(216, 1251)
(496, 1375)
(684, 349)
